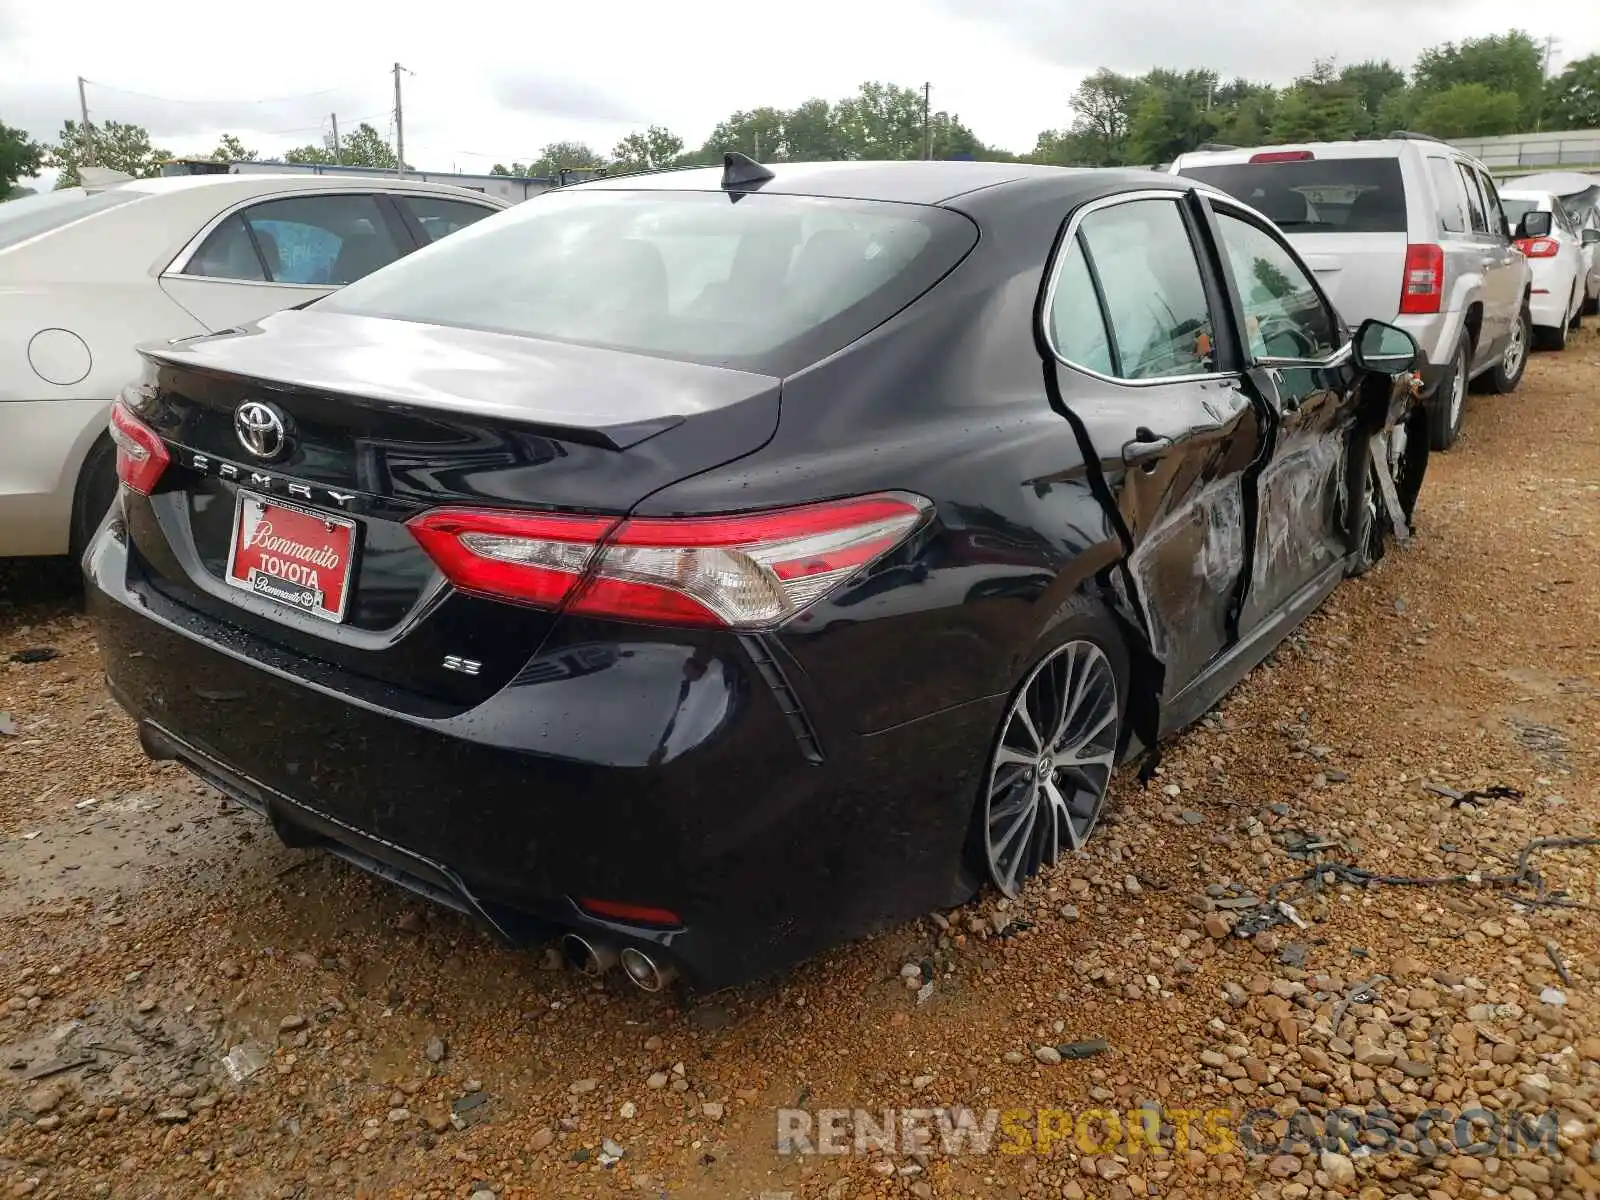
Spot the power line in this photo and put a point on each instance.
(173, 100)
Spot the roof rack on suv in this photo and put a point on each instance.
(1213, 147)
(1407, 135)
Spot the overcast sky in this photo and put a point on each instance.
(497, 82)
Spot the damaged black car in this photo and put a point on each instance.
(713, 565)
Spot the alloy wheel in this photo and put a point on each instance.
(1512, 363)
(1047, 780)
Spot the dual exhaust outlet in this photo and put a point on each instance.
(596, 958)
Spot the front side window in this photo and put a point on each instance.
(1155, 299)
(440, 217)
(1491, 206)
(1475, 208)
(1284, 316)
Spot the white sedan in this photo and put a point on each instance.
(86, 274)
(1560, 261)
(1580, 196)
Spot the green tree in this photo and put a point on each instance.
(652, 150)
(1104, 106)
(1319, 107)
(317, 155)
(231, 149)
(1510, 62)
(1469, 110)
(810, 133)
(760, 133)
(363, 146)
(1375, 83)
(20, 157)
(1572, 99)
(120, 147)
(1172, 113)
(516, 168)
(882, 120)
(559, 155)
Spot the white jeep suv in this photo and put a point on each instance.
(1406, 229)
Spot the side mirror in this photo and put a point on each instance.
(1385, 349)
(1535, 224)
(1591, 237)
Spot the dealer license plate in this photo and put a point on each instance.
(292, 556)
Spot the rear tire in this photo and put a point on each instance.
(1450, 401)
(1052, 757)
(1506, 374)
(97, 488)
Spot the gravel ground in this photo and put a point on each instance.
(1430, 721)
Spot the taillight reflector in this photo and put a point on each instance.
(745, 571)
(1272, 156)
(141, 458)
(1540, 247)
(637, 914)
(1423, 288)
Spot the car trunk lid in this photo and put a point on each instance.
(382, 420)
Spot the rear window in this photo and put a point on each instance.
(764, 282)
(33, 215)
(1323, 195)
(1515, 209)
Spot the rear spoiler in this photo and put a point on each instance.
(101, 179)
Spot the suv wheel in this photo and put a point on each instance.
(1507, 373)
(1449, 402)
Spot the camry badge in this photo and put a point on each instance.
(260, 428)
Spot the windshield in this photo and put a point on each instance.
(765, 282)
(33, 215)
(1322, 195)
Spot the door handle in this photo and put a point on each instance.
(1145, 448)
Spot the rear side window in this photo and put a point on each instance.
(1320, 195)
(1491, 206)
(1449, 196)
(1475, 209)
(228, 254)
(1076, 322)
(321, 240)
(32, 215)
(1140, 255)
(765, 282)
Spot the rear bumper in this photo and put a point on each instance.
(1548, 310)
(727, 820)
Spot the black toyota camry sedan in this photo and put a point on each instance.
(713, 565)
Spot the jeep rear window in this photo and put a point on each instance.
(761, 282)
(1321, 195)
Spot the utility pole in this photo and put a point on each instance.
(399, 127)
(88, 129)
(927, 129)
(1550, 43)
(334, 117)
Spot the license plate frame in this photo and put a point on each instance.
(350, 536)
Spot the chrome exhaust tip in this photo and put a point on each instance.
(645, 972)
(589, 957)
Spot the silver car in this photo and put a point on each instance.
(1407, 230)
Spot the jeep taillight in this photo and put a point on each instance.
(1423, 289)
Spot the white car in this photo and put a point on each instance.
(1560, 259)
(1580, 196)
(88, 273)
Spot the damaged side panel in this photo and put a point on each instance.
(1302, 518)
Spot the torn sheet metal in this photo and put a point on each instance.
(1300, 492)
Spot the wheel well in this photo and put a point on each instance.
(1146, 678)
(98, 452)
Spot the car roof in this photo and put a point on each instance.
(1370, 148)
(908, 182)
(290, 181)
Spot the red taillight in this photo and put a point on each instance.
(1272, 156)
(1539, 247)
(141, 458)
(1423, 289)
(742, 572)
(637, 914)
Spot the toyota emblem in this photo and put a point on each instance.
(261, 429)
